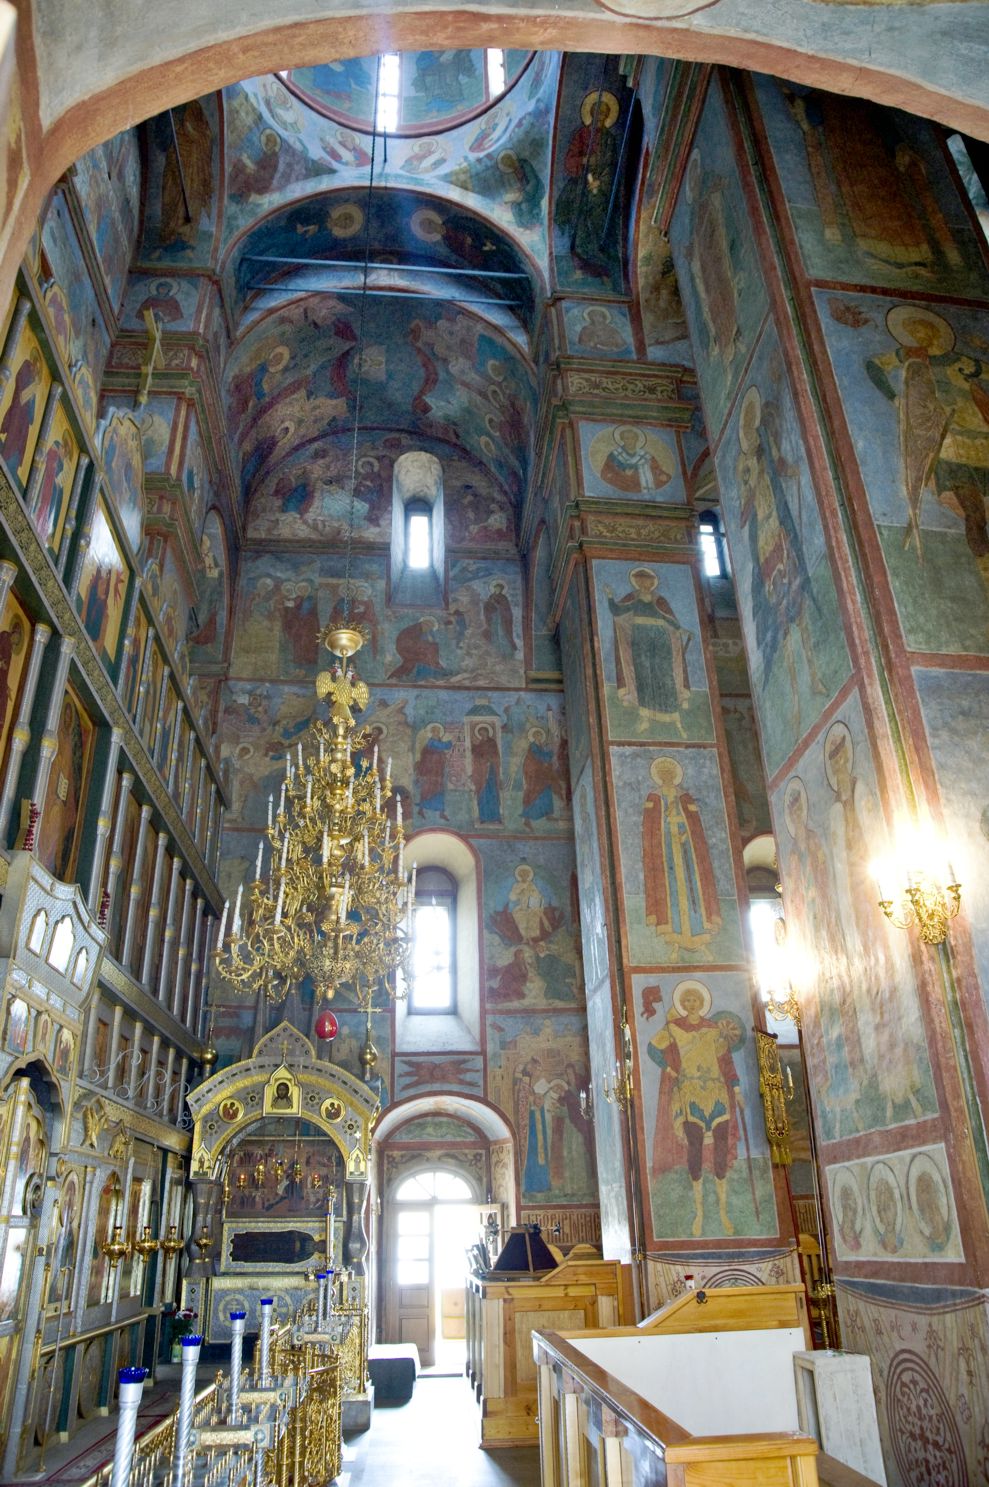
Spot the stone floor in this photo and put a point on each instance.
(433, 1439)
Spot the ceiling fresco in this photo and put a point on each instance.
(420, 241)
(279, 150)
(431, 90)
(428, 368)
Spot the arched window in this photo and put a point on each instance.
(433, 986)
(417, 546)
(436, 1186)
(714, 556)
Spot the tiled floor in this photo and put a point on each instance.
(432, 1440)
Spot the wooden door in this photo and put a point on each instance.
(411, 1259)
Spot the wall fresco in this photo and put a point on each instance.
(914, 384)
(869, 193)
(76, 313)
(897, 1205)
(530, 918)
(183, 171)
(785, 590)
(929, 1344)
(631, 460)
(537, 1066)
(955, 705)
(22, 402)
(589, 195)
(598, 330)
(680, 896)
(723, 289)
(650, 637)
(108, 184)
(708, 1165)
(863, 1024)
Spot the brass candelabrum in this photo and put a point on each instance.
(335, 904)
(776, 1091)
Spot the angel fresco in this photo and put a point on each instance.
(187, 176)
(941, 396)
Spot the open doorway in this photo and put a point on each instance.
(433, 1218)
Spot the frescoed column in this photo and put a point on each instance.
(659, 862)
(824, 249)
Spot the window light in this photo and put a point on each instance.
(389, 82)
(419, 548)
(496, 71)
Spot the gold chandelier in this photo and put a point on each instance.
(335, 904)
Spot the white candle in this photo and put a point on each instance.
(223, 921)
(350, 791)
(401, 861)
(236, 924)
(271, 803)
(388, 771)
(321, 749)
(281, 802)
(281, 900)
(398, 810)
(367, 850)
(374, 758)
(309, 792)
(387, 834)
(300, 758)
(377, 795)
(284, 850)
(326, 846)
(288, 765)
(257, 868)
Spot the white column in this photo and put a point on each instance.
(130, 1388)
(265, 1342)
(237, 1322)
(187, 1398)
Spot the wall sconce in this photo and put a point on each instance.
(620, 1089)
(586, 1099)
(931, 896)
(776, 1092)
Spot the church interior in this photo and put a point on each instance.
(494, 664)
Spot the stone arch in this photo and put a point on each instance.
(487, 1119)
(81, 103)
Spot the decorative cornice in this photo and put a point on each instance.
(137, 1123)
(28, 549)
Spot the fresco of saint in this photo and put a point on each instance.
(650, 652)
(781, 587)
(681, 899)
(697, 1121)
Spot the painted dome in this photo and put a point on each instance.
(417, 92)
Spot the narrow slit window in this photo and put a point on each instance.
(712, 546)
(496, 71)
(389, 79)
(419, 538)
